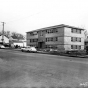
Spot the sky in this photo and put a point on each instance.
(22, 16)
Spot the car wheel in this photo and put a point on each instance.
(22, 50)
(28, 51)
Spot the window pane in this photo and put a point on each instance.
(76, 39)
(71, 38)
(79, 47)
(76, 46)
(79, 39)
(72, 30)
(56, 39)
(71, 46)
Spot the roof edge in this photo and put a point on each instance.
(61, 25)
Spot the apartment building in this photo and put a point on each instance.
(62, 37)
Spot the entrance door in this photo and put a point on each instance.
(41, 45)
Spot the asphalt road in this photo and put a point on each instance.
(34, 70)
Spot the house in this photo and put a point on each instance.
(62, 37)
(4, 39)
(17, 41)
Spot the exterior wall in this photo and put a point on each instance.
(31, 37)
(67, 38)
(60, 47)
(41, 36)
(6, 40)
(59, 33)
(21, 44)
(60, 43)
(64, 35)
(67, 32)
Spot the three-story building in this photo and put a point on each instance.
(62, 37)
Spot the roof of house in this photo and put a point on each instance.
(5, 36)
(61, 25)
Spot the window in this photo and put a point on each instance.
(79, 39)
(71, 46)
(33, 33)
(80, 32)
(41, 33)
(51, 39)
(56, 38)
(52, 30)
(75, 30)
(46, 39)
(71, 38)
(33, 40)
(79, 47)
(30, 40)
(72, 30)
(75, 39)
(46, 31)
(75, 46)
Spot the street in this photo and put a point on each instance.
(21, 69)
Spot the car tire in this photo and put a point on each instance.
(28, 51)
(22, 50)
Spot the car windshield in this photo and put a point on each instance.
(28, 47)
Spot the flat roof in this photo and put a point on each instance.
(61, 25)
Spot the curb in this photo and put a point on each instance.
(79, 56)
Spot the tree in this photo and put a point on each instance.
(13, 34)
(85, 33)
(17, 35)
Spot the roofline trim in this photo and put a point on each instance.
(61, 25)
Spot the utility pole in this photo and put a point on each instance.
(3, 32)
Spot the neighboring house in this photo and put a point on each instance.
(5, 39)
(62, 37)
(20, 43)
(17, 41)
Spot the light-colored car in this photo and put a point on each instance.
(25, 48)
(33, 49)
(2, 47)
(29, 49)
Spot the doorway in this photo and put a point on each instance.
(41, 45)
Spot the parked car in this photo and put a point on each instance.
(25, 48)
(29, 49)
(2, 47)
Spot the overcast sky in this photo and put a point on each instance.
(26, 15)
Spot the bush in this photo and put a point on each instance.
(76, 52)
(86, 49)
